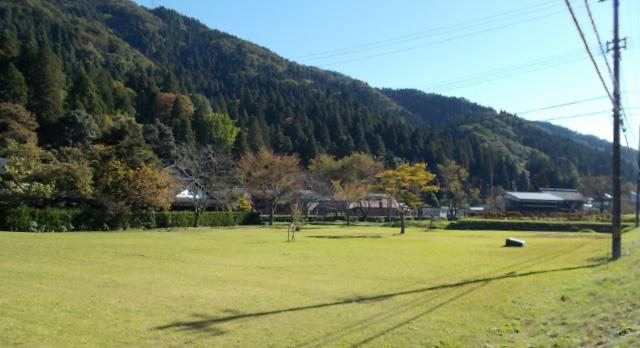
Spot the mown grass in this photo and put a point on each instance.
(334, 286)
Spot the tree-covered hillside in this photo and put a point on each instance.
(113, 73)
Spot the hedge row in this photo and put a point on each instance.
(30, 219)
(507, 225)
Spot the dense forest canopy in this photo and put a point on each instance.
(131, 84)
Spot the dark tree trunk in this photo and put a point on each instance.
(196, 217)
(401, 221)
(271, 213)
(346, 214)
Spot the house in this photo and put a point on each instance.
(573, 200)
(529, 201)
(547, 200)
(185, 200)
(376, 205)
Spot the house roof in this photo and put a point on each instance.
(376, 203)
(533, 196)
(566, 194)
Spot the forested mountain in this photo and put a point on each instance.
(627, 153)
(111, 72)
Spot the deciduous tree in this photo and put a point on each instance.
(349, 179)
(405, 185)
(17, 124)
(215, 129)
(209, 174)
(455, 186)
(270, 177)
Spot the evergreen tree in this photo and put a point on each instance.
(128, 142)
(76, 128)
(181, 114)
(13, 88)
(241, 145)
(9, 46)
(255, 136)
(47, 88)
(123, 98)
(160, 138)
(83, 94)
(309, 151)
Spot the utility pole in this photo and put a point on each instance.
(616, 247)
(638, 184)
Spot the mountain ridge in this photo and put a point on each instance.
(291, 107)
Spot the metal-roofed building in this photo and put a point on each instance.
(548, 199)
(573, 200)
(531, 201)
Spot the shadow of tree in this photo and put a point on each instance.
(207, 323)
(407, 307)
(347, 237)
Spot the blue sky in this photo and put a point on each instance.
(510, 55)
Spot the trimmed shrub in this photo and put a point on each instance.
(510, 225)
(217, 218)
(248, 218)
(207, 218)
(91, 219)
(30, 219)
(143, 219)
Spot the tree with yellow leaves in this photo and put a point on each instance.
(405, 184)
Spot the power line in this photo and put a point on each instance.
(586, 46)
(562, 105)
(438, 41)
(428, 33)
(595, 30)
(574, 116)
(502, 74)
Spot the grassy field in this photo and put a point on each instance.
(334, 286)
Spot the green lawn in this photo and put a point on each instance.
(334, 286)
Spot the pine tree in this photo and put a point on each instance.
(309, 151)
(47, 88)
(9, 47)
(241, 146)
(13, 88)
(83, 95)
(181, 114)
(255, 136)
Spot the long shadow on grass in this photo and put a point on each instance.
(206, 323)
(346, 237)
(388, 313)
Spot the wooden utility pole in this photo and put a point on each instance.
(616, 247)
(638, 184)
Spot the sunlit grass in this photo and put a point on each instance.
(333, 286)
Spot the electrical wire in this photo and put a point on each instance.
(595, 30)
(438, 41)
(428, 33)
(586, 45)
(587, 100)
(501, 75)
